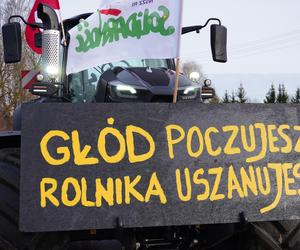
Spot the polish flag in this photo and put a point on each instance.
(30, 32)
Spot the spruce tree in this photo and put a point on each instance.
(296, 98)
(225, 99)
(241, 94)
(232, 97)
(279, 96)
(285, 96)
(271, 95)
(282, 94)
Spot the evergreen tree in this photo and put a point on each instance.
(271, 95)
(225, 99)
(241, 94)
(232, 97)
(296, 98)
(282, 94)
(279, 96)
(285, 96)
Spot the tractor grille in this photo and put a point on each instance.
(162, 98)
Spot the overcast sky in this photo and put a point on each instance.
(263, 35)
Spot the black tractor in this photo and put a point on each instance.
(139, 80)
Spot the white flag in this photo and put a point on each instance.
(126, 29)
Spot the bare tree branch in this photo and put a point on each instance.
(11, 92)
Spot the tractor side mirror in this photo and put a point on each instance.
(218, 36)
(12, 42)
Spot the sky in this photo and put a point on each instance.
(263, 35)
(263, 38)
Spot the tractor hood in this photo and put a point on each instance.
(158, 80)
(148, 82)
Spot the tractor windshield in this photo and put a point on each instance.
(83, 85)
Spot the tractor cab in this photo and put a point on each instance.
(135, 80)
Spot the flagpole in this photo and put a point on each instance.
(62, 25)
(175, 94)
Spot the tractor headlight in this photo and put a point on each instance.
(189, 90)
(52, 72)
(122, 91)
(189, 93)
(194, 76)
(125, 89)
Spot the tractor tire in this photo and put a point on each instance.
(10, 237)
(278, 235)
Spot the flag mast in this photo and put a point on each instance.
(62, 25)
(175, 94)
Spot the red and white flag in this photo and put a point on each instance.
(30, 32)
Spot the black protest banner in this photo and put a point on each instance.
(86, 166)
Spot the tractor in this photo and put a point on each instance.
(134, 80)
